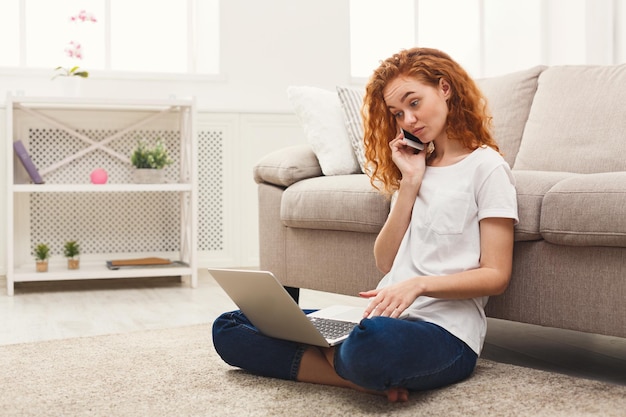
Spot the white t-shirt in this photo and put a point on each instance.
(444, 237)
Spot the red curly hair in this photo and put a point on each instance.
(468, 119)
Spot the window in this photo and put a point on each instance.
(161, 38)
(9, 32)
(168, 36)
(452, 26)
(487, 37)
(49, 32)
(378, 29)
(516, 24)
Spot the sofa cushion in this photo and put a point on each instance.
(509, 98)
(351, 103)
(577, 121)
(320, 114)
(586, 210)
(287, 165)
(341, 202)
(531, 188)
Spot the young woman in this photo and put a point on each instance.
(445, 247)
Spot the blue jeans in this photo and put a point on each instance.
(379, 354)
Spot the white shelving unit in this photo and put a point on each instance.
(69, 137)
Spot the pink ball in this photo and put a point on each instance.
(99, 176)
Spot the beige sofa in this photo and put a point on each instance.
(563, 131)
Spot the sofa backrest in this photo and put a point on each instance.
(577, 121)
(509, 98)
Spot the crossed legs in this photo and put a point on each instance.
(382, 355)
(317, 366)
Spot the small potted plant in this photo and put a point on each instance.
(69, 77)
(71, 250)
(70, 80)
(149, 162)
(42, 253)
(70, 72)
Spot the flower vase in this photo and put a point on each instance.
(148, 176)
(70, 86)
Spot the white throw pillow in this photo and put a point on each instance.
(351, 103)
(321, 116)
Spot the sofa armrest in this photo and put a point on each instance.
(532, 187)
(287, 166)
(586, 210)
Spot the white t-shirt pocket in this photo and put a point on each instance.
(448, 211)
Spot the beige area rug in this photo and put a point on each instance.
(176, 372)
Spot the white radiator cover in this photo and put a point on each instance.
(94, 218)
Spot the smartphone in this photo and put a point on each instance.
(412, 140)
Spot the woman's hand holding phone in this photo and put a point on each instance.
(412, 140)
(409, 160)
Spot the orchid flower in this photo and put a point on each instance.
(83, 16)
(74, 50)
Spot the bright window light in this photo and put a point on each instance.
(452, 26)
(50, 32)
(207, 30)
(378, 29)
(146, 37)
(9, 32)
(168, 36)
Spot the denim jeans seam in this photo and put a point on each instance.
(232, 318)
(295, 364)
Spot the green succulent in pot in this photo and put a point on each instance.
(42, 253)
(145, 157)
(71, 250)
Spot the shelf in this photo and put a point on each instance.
(94, 270)
(68, 137)
(100, 188)
(87, 103)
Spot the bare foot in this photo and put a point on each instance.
(394, 395)
(317, 367)
(397, 395)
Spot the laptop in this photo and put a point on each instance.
(270, 308)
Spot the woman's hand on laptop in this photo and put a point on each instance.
(389, 301)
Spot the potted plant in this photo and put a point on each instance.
(149, 162)
(70, 72)
(42, 253)
(71, 250)
(70, 78)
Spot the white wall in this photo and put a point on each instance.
(281, 42)
(619, 23)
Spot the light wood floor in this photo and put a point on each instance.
(58, 310)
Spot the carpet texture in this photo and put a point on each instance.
(176, 372)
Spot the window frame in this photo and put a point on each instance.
(107, 73)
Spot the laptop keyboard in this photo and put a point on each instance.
(332, 329)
